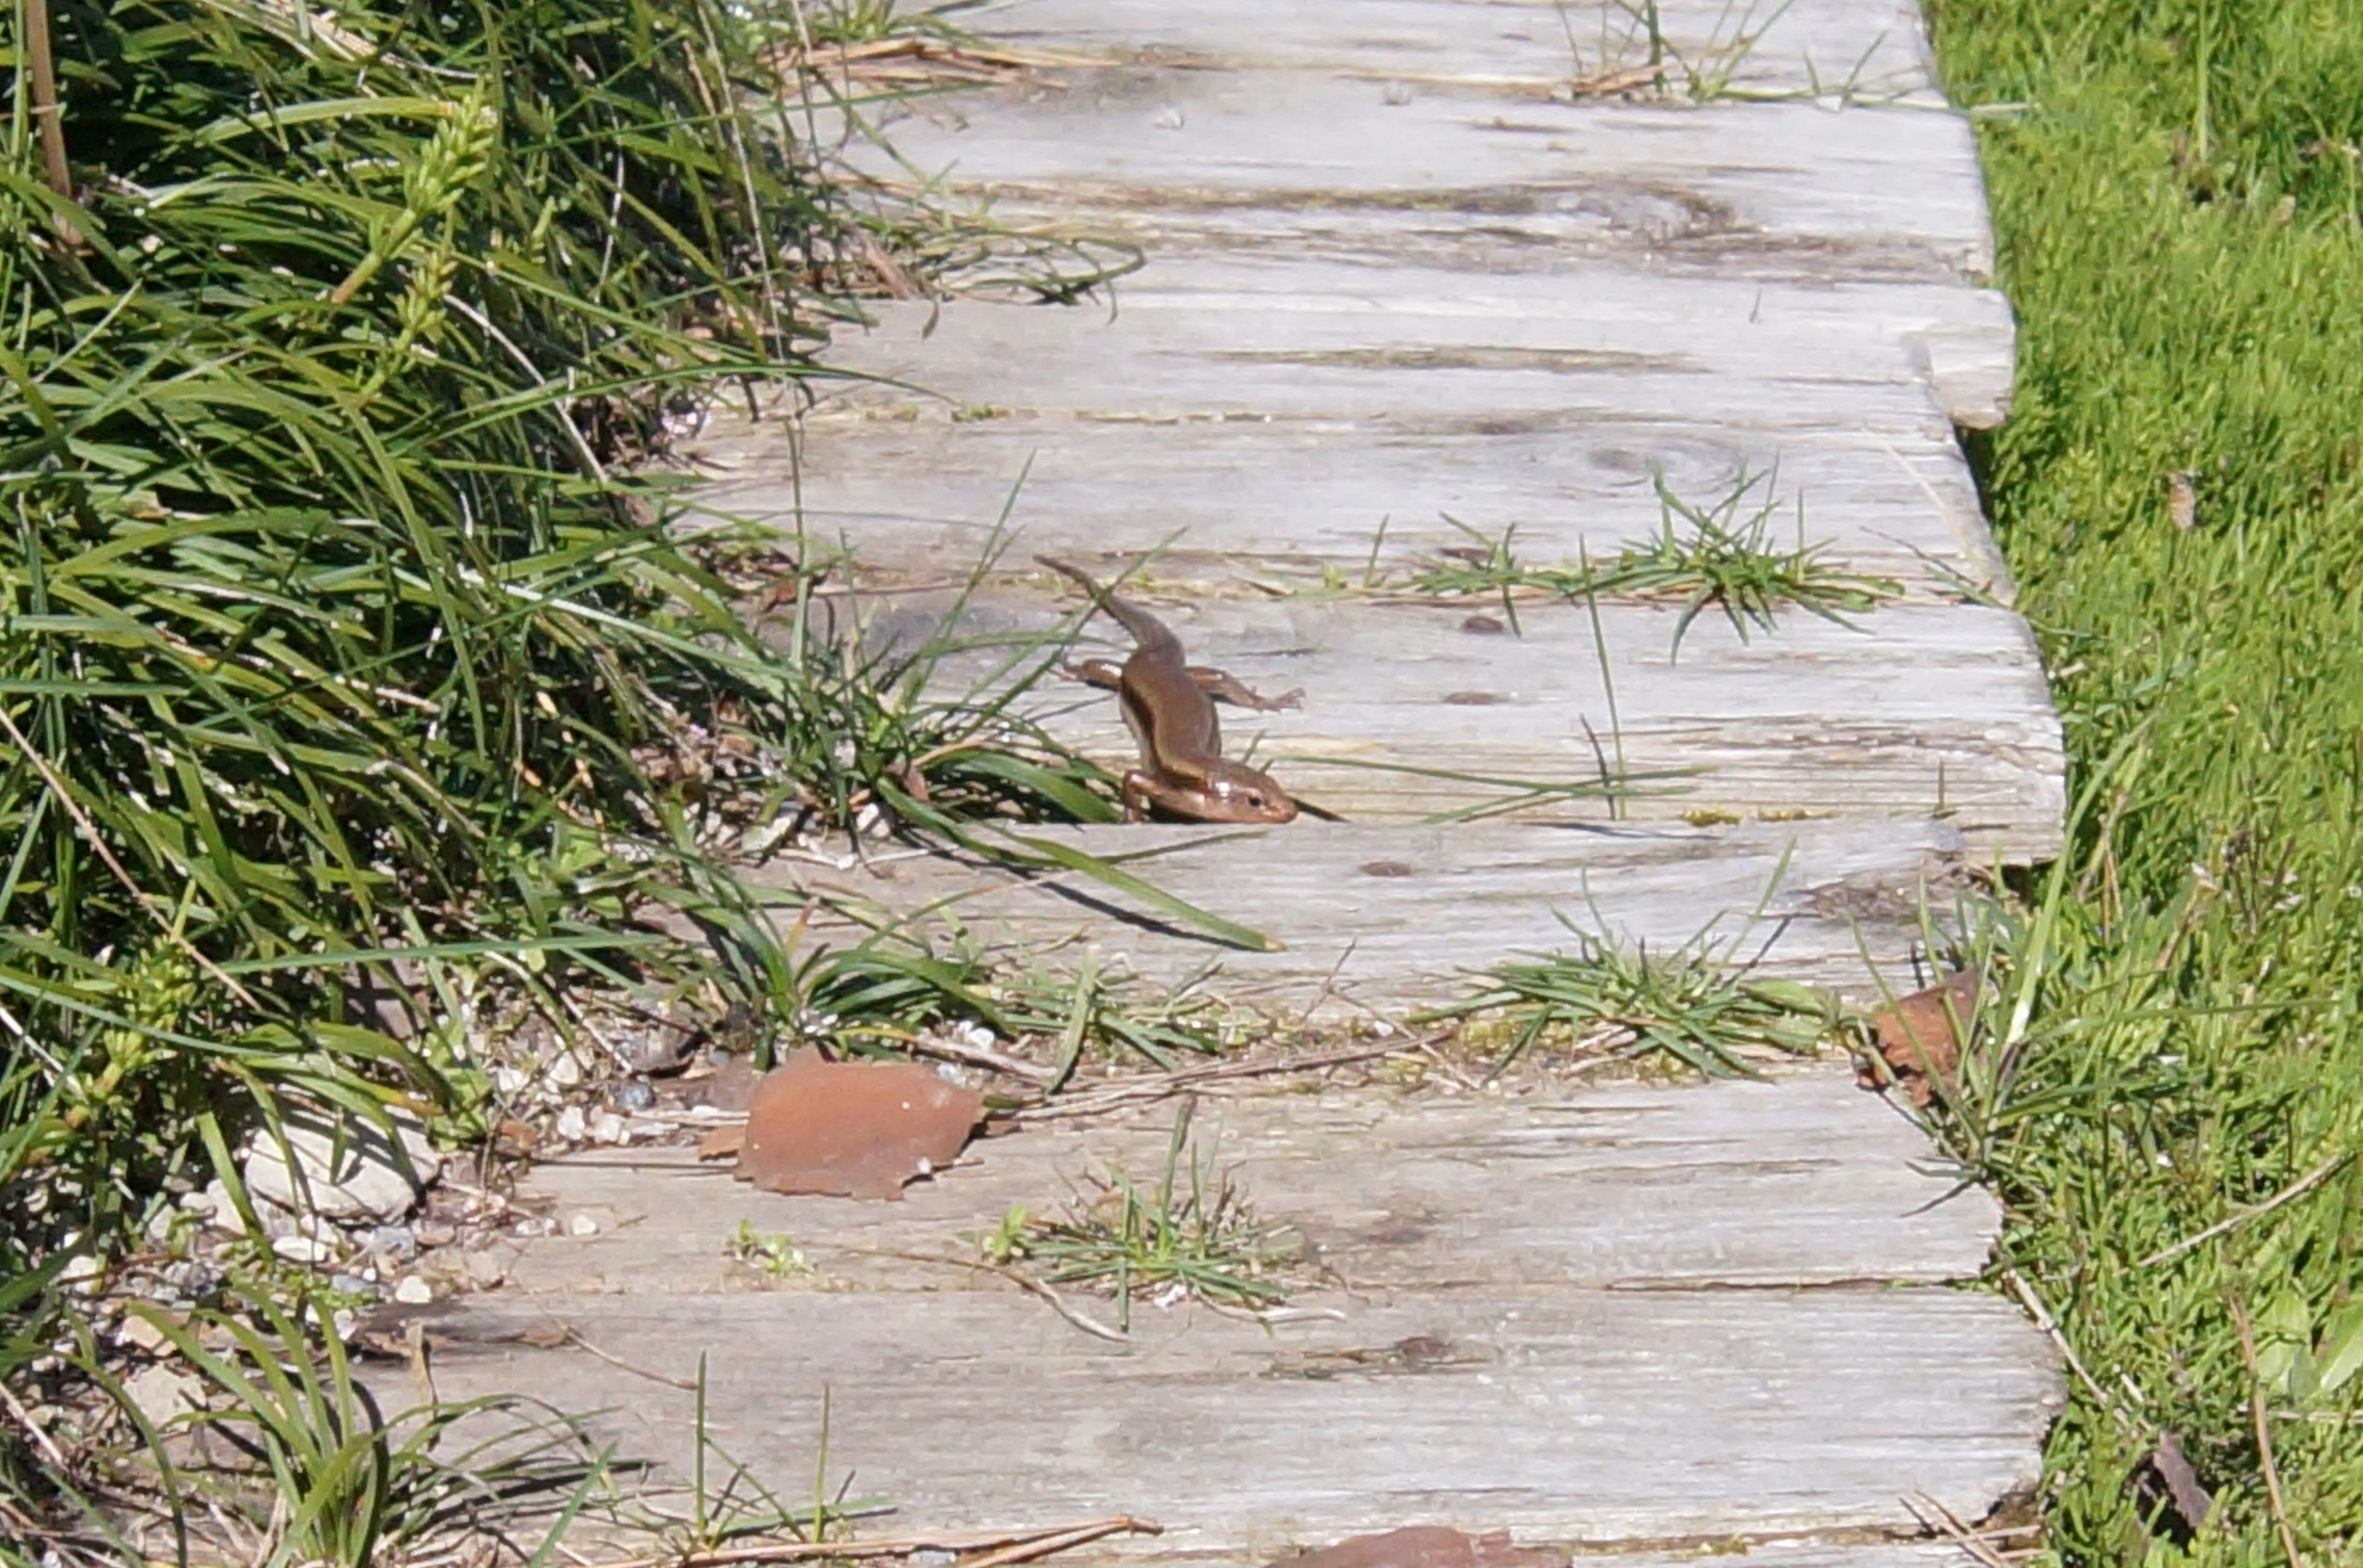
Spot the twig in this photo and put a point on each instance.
(977, 1056)
(1328, 983)
(1948, 1523)
(575, 1337)
(41, 1440)
(2289, 1194)
(1127, 1092)
(1063, 1536)
(1027, 1551)
(90, 836)
(1089, 1325)
(2049, 1325)
(42, 69)
(2264, 1433)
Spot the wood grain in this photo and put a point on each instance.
(1804, 1180)
(1808, 45)
(1389, 917)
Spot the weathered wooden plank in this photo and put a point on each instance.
(1206, 338)
(1302, 497)
(1815, 46)
(1926, 710)
(1878, 191)
(1385, 917)
(1584, 1416)
(1801, 1179)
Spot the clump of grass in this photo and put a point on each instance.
(1608, 1002)
(2177, 1067)
(1719, 555)
(279, 1457)
(1192, 1235)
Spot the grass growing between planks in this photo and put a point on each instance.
(1607, 1004)
(1192, 1234)
(2175, 1113)
(1720, 554)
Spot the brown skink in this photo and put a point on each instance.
(1168, 706)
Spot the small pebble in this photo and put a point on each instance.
(413, 1292)
(193, 1277)
(633, 1096)
(571, 1124)
(398, 1242)
(302, 1248)
(435, 1233)
(608, 1128)
(583, 1225)
(142, 1333)
(351, 1285)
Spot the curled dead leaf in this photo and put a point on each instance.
(1919, 1038)
(853, 1129)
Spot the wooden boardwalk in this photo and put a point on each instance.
(1402, 268)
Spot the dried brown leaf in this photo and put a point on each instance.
(856, 1129)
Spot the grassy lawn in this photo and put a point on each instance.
(2178, 191)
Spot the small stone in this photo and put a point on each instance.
(353, 1285)
(141, 1332)
(563, 1071)
(485, 1271)
(570, 1125)
(583, 1225)
(435, 1232)
(297, 1249)
(221, 1214)
(159, 1393)
(398, 1242)
(633, 1096)
(608, 1128)
(346, 1168)
(507, 1081)
(80, 1267)
(413, 1292)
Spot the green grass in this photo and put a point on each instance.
(1191, 1234)
(1611, 1002)
(2175, 1111)
(1721, 554)
(338, 636)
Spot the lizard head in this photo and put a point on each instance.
(1237, 792)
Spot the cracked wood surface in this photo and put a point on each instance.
(1391, 275)
(1384, 918)
(1619, 1315)
(1805, 723)
(1868, 48)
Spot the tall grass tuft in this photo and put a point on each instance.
(333, 628)
(2174, 1108)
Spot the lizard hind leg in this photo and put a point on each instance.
(1224, 687)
